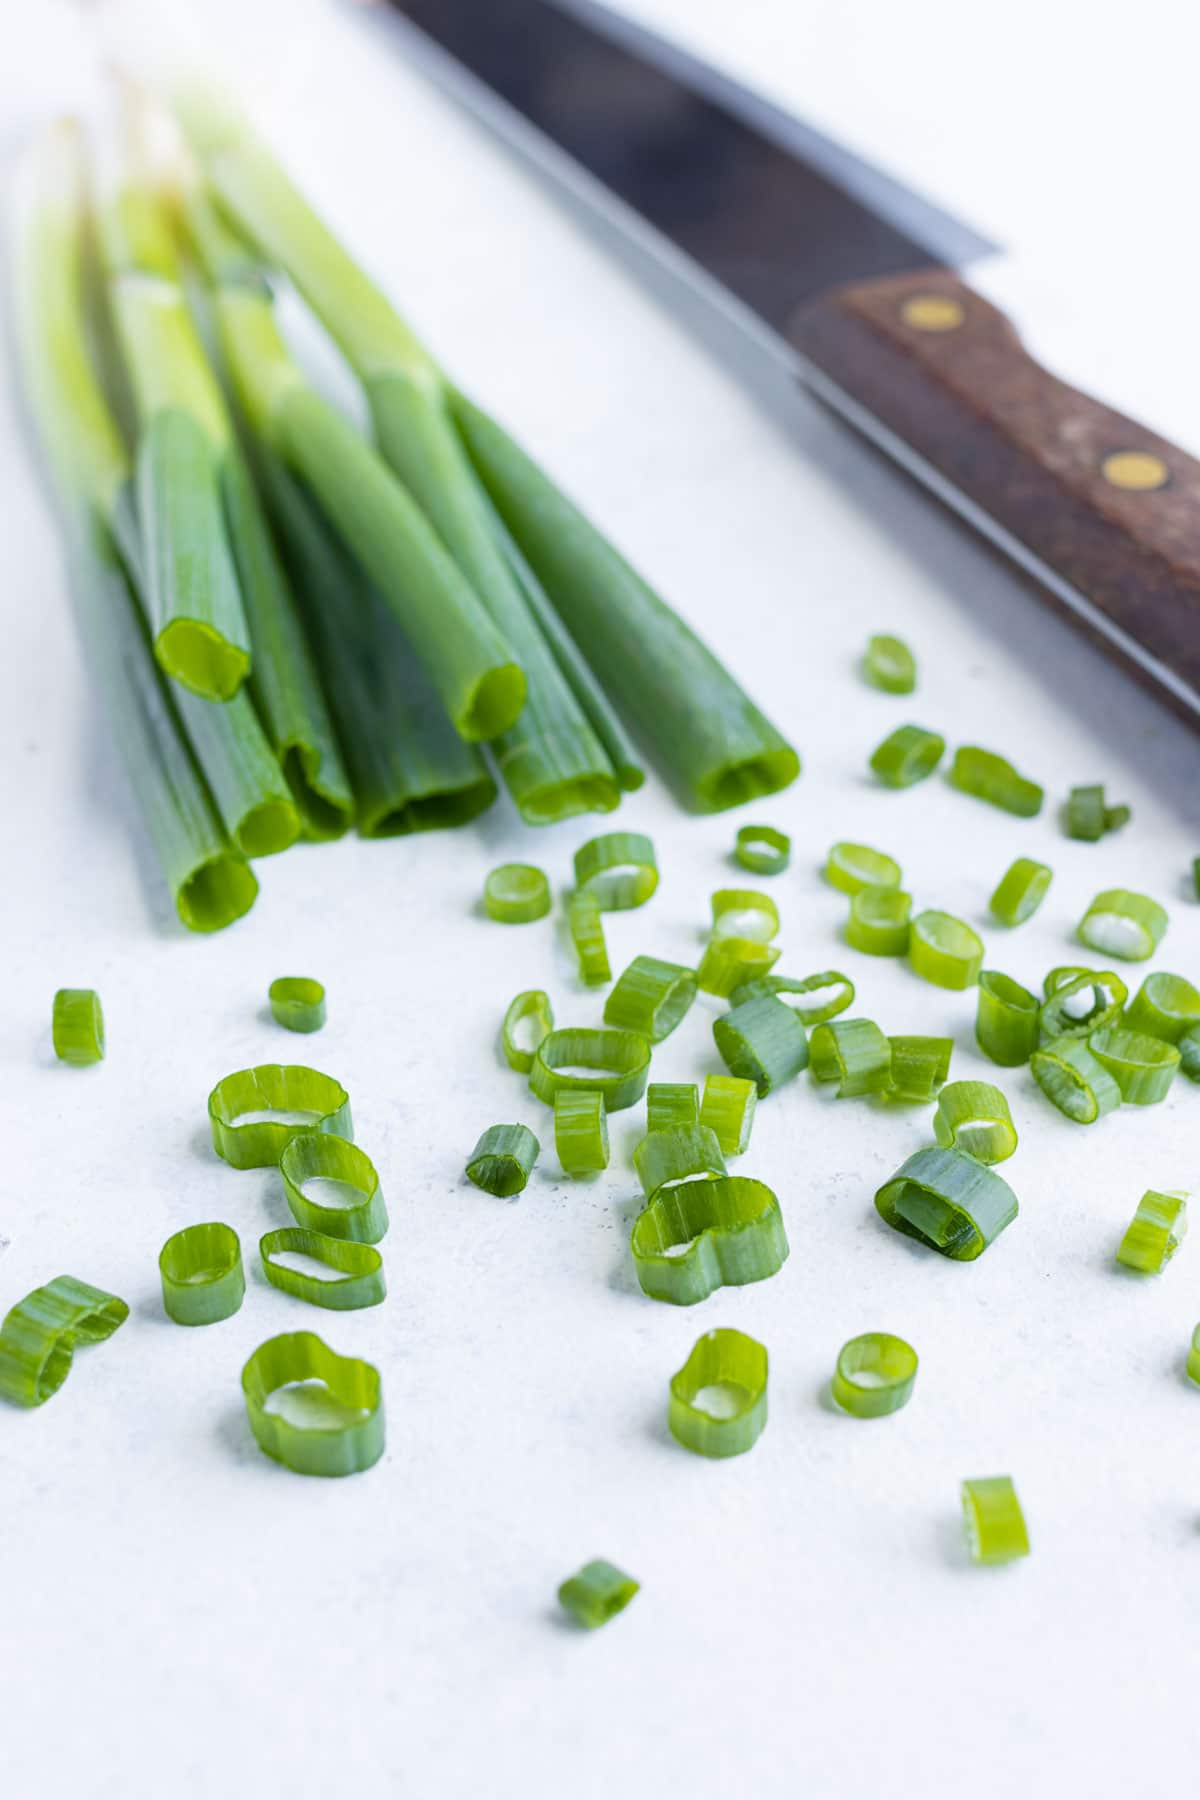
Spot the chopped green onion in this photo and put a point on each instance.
(1196, 876)
(728, 1110)
(304, 1099)
(516, 893)
(586, 925)
(1059, 977)
(624, 1056)
(672, 1103)
(1165, 1006)
(729, 963)
(682, 1153)
(1189, 1053)
(948, 1201)
(919, 1066)
(702, 1235)
(502, 1161)
(248, 785)
(1084, 815)
(40, 1333)
(854, 1053)
(762, 1041)
(993, 1521)
(992, 778)
(851, 867)
(1117, 816)
(718, 1400)
(581, 1131)
(944, 950)
(889, 664)
(1119, 923)
(350, 1203)
(359, 1279)
(1080, 1001)
(597, 1594)
(875, 1375)
(202, 1275)
(1193, 1360)
(77, 1026)
(744, 913)
(618, 870)
(297, 1002)
(907, 755)
(1155, 1233)
(535, 1005)
(878, 924)
(1006, 1019)
(762, 850)
(1143, 1067)
(651, 996)
(817, 997)
(974, 1116)
(1072, 1079)
(1020, 891)
(349, 1434)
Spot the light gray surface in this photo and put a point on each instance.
(179, 1616)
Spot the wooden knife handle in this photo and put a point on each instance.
(1104, 505)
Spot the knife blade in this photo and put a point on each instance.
(851, 279)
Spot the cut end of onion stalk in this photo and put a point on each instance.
(493, 704)
(748, 778)
(196, 655)
(221, 890)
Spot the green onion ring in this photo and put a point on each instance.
(625, 1055)
(908, 755)
(619, 870)
(532, 1004)
(297, 1002)
(1080, 1001)
(288, 1088)
(949, 1202)
(40, 1333)
(683, 1153)
(728, 1368)
(354, 1385)
(202, 1275)
(943, 950)
(1006, 1019)
(854, 1053)
(762, 1041)
(581, 1131)
(773, 856)
(77, 1026)
(502, 1161)
(1120, 923)
(650, 996)
(993, 1522)
(1165, 1006)
(516, 894)
(1020, 891)
(728, 1110)
(919, 1066)
(744, 913)
(851, 867)
(889, 664)
(1072, 1079)
(313, 1156)
(671, 1103)
(732, 1229)
(360, 1269)
(1143, 1067)
(586, 925)
(992, 778)
(875, 1375)
(1155, 1233)
(879, 921)
(1189, 1053)
(974, 1116)
(1193, 1358)
(784, 987)
(729, 963)
(597, 1594)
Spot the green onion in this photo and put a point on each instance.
(303, 1098)
(718, 1400)
(503, 1159)
(652, 997)
(889, 664)
(908, 755)
(1080, 1001)
(728, 1110)
(77, 1026)
(990, 777)
(1020, 891)
(949, 1202)
(1189, 1053)
(618, 870)
(1065, 972)
(762, 850)
(681, 1153)
(1193, 1360)
(247, 783)
(350, 1203)
(1142, 1067)
(1006, 1019)
(672, 1103)
(919, 1066)
(586, 925)
(353, 1392)
(854, 1053)
(879, 919)
(358, 1281)
(297, 1002)
(516, 894)
(1084, 814)
(202, 1275)
(581, 1131)
(702, 1235)
(974, 1116)
(762, 1041)
(744, 913)
(1072, 1079)
(852, 867)
(535, 1005)
(875, 1375)
(1119, 923)
(1155, 1233)
(944, 950)
(730, 963)
(623, 1056)
(1117, 816)
(597, 1594)
(1196, 876)
(993, 1521)
(1165, 1006)
(40, 1333)
(816, 997)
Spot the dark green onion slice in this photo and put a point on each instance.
(1006, 1019)
(1084, 814)
(672, 1103)
(907, 756)
(77, 1026)
(854, 1053)
(974, 1116)
(516, 893)
(878, 924)
(851, 867)
(993, 1522)
(949, 1202)
(702, 1235)
(728, 1110)
(359, 1279)
(356, 1210)
(597, 1594)
(1080, 1001)
(1120, 923)
(535, 1005)
(682, 1153)
(353, 1396)
(586, 925)
(581, 1131)
(992, 778)
(503, 1159)
(813, 998)
(1165, 1006)
(1189, 1053)
(744, 913)
(1143, 1067)
(40, 1334)
(1193, 1358)
(1020, 891)
(730, 963)
(875, 1375)
(1155, 1233)
(889, 664)
(202, 1275)
(762, 1041)
(617, 1064)
(305, 1099)
(718, 1400)
(619, 870)
(762, 850)
(1115, 817)
(651, 996)
(944, 950)
(1072, 1079)
(297, 1002)
(919, 1066)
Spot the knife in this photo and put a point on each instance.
(852, 279)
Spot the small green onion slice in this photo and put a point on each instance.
(617, 1063)
(729, 963)
(949, 1202)
(879, 921)
(300, 1099)
(728, 1110)
(944, 950)
(202, 1275)
(718, 1400)
(532, 1005)
(331, 1186)
(852, 867)
(619, 870)
(875, 1375)
(1120, 923)
(993, 1523)
(77, 1026)
(1115, 817)
(40, 1334)
(1155, 1233)
(992, 778)
(672, 1103)
(907, 755)
(503, 1159)
(854, 1053)
(1189, 1053)
(1143, 1067)
(586, 925)
(516, 893)
(297, 1002)
(340, 1430)
(1020, 891)
(357, 1281)
(974, 1116)
(813, 998)
(1006, 1019)
(762, 1041)
(581, 1131)
(597, 1594)
(684, 1153)
(1193, 1360)
(744, 913)
(1059, 977)
(1084, 814)
(1080, 1001)
(1165, 1006)
(651, 996)
(701, 1235)
(762, 850)
(918, 1067)
(889, 664)
(1072, 1079)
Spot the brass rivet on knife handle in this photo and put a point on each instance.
(932, 312)
(1137, 470)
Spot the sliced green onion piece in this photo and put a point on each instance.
(1084, 814)
(813, 998)
(948, 1201)
(718, 1400)
(503, 1159)
(359, 1279)
(907, 756)
(762, 1041)
(597, 1594)
(1189, 1053)
(993, 1521)
(744, 913)
(586, 925)
(349, 1203)
(729, 963)
(728, 1110)
(40, 1333)
(77, 1026)
(974, 1116)
(664, 1158)
(1071, 1079)
(1020, 891)
(702, 1235)
(623, 1056)
(762, 850)
(851, 867)
(854, 1053)
(672, 1103)
(1080, 1001)
(202, 1275)
(304, 1099)
(992, 778)
(1115, 817)
(1165, 1006)
(651, 996)
(347, 1435)
(1119, 923)
(878, 924)
(535, 1005)
(1143, 1067)
(297, 1002)
(516, 893)
(1060, 976)
(1006, 1019)
(581, 1130)
(944, 950)
(875, 1374)
(1193, 1360)
(889, 664)
(1196, 876)
(1155, 1233)
(619, 870)
(918, 1068)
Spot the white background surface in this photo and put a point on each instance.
(178, 1615)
